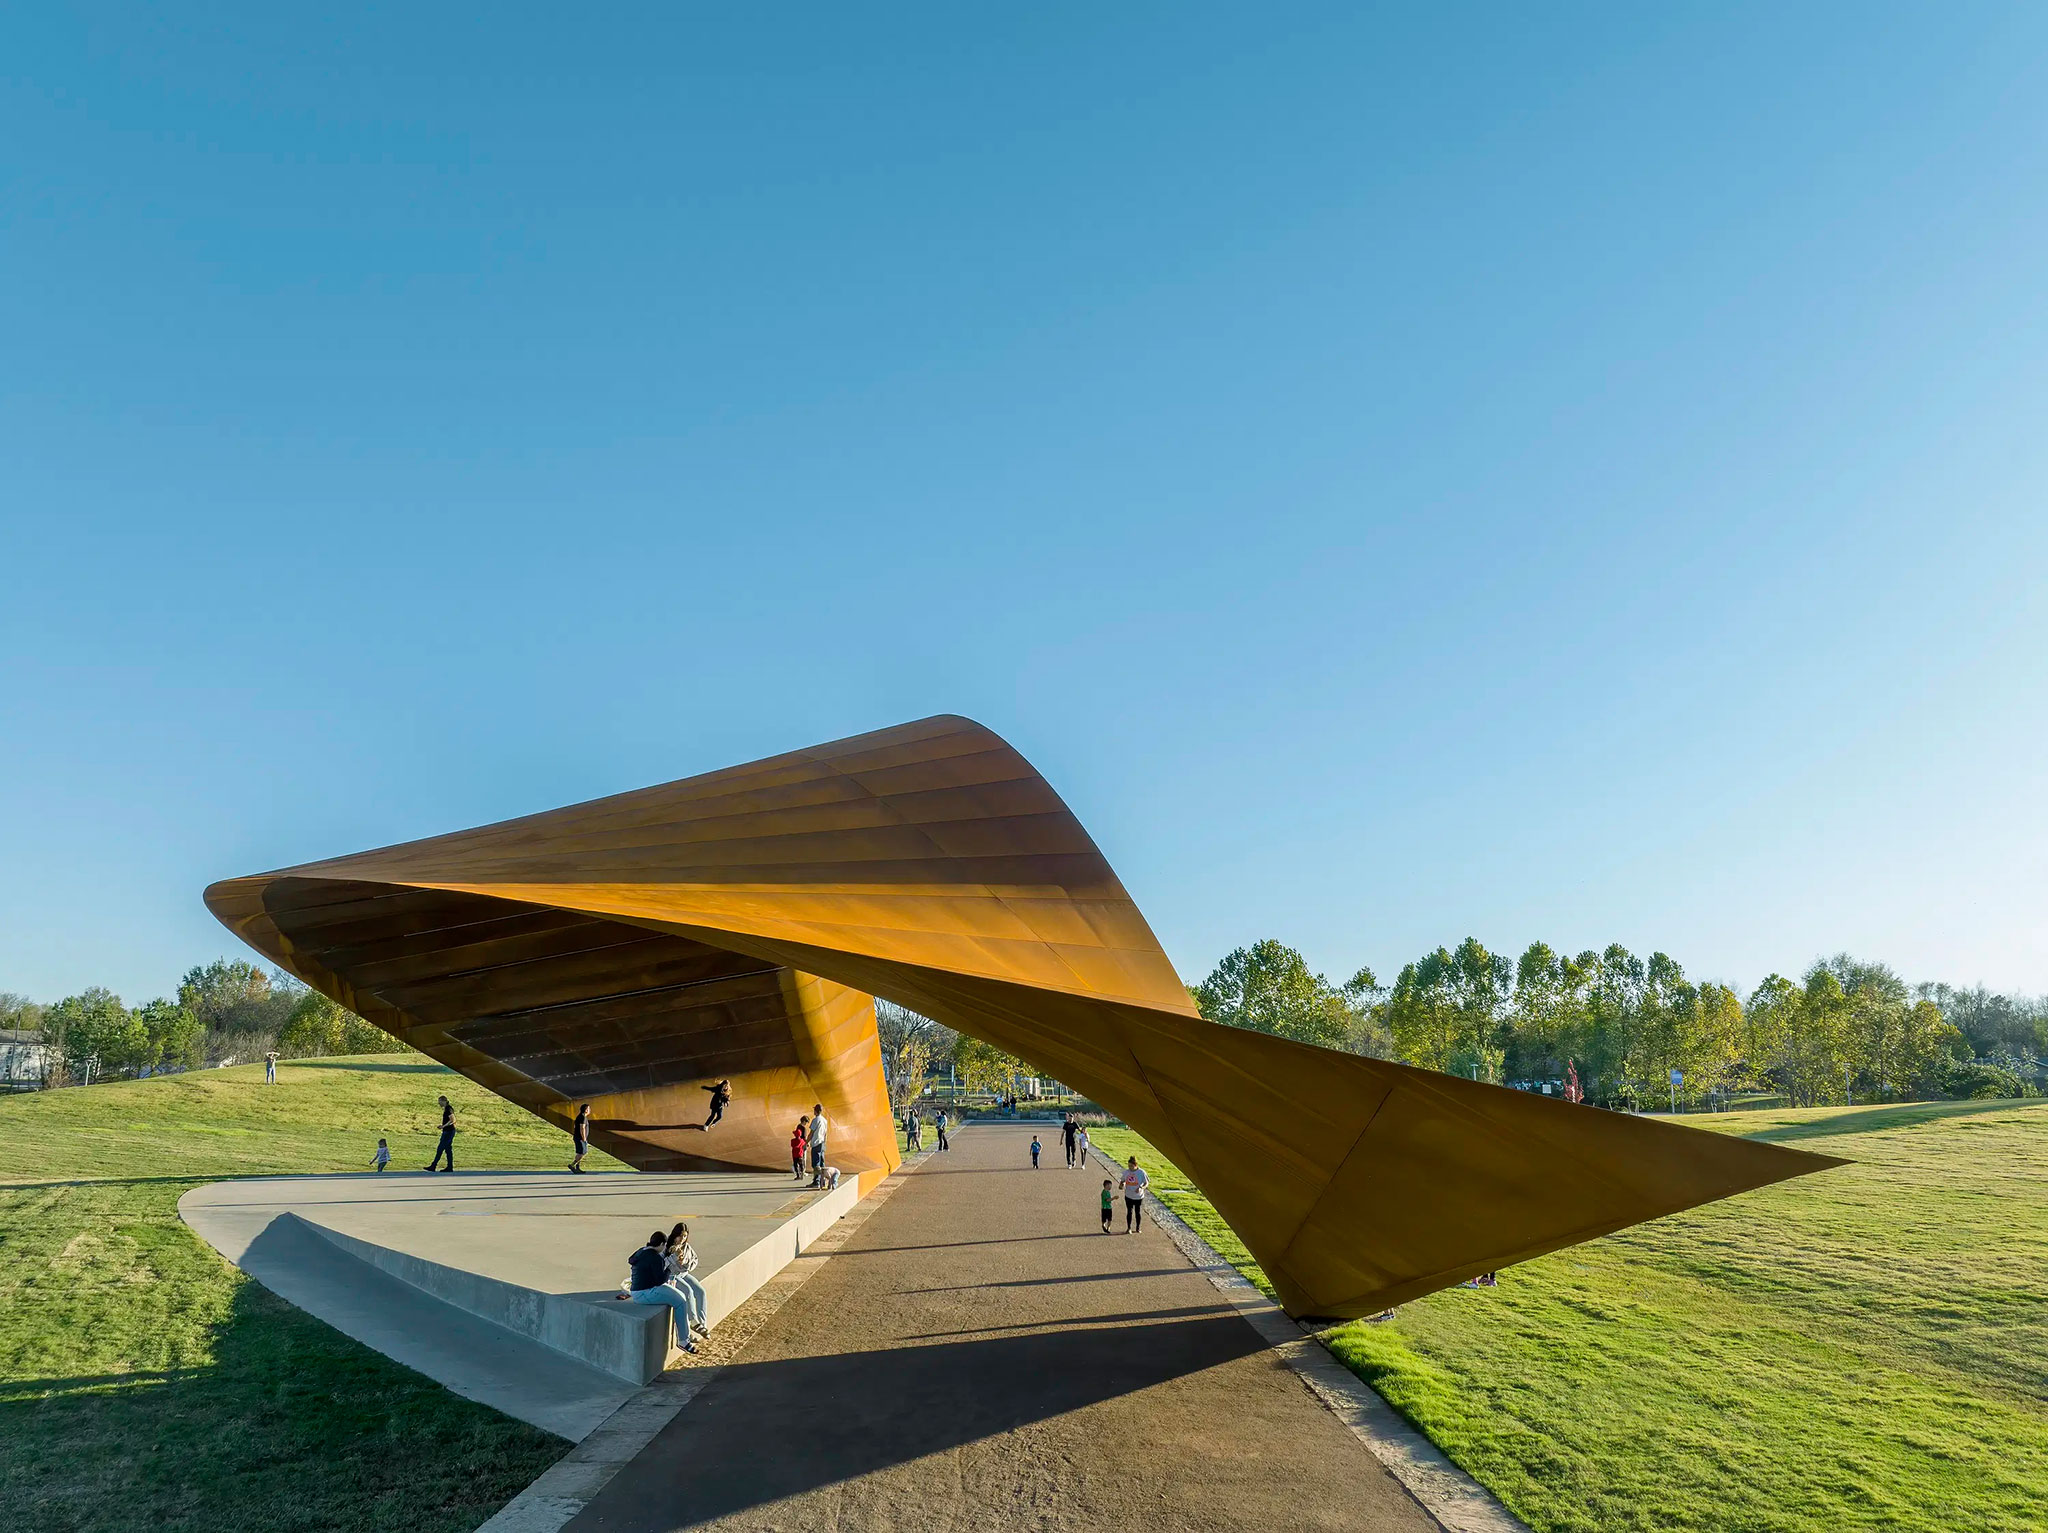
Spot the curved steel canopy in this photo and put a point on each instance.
(632, 950)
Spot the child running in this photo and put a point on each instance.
(383, 1156)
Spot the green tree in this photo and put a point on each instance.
(320, 1026)
(1934, 1046)
(984, 1067)
(1481, 987)
(1625, 1035)
(1816, 1064)
(1549, 1024)
(233, 996)
(19, 1014)
(95, 1025)
(1269, 988)
(176, 1038)
(1370, 1035)
(1713, 1061)
(1422, 1013)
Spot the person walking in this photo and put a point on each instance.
(649, 1283)
(682, 1263)
(579, 1135)
(1067, 1129)
(447, 1144)
(720, 1095)
(1135, 1183)
(800, 1146)
(270, 1068)
(382, 1158)
(819, 1126)
(1108, 1202)
(941, 1126)
(1034, 1152)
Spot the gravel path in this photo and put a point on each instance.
(979, 1356)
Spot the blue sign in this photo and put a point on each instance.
(1678, 1077)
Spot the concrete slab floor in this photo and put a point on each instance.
(548, 1231)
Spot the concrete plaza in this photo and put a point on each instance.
(502, 1284)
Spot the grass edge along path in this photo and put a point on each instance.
(147, 1384)
(1858, 1349)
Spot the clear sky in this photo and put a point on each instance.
(1551, 472)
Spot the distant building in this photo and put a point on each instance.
(25, 1059)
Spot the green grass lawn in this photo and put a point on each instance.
(145, 1384)
(1864, 1348)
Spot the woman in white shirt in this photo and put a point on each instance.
(682, 1263)
(1135, 1182)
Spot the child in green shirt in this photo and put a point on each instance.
(1106, 1202)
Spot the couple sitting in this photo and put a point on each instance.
(662, 1275)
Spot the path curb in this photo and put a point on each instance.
(1457, 1502)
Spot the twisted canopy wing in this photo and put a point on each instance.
(631, 951)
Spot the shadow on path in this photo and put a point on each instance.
(854, 1413)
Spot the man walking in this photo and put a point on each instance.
(579, 1135)
(1067, 1131)
(1135, 1182)
(942, 1130)
(447, 1145)
(818, 1129)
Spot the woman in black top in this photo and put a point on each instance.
(720, 1095)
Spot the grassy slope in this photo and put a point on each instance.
(1858, 1349)
(144, 1383)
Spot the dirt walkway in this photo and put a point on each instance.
(979, 1356)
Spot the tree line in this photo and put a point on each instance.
(223, 1011)
(1845, 1030)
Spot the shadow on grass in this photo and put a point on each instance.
(289, 1425)
(370, 1066)
(109, 1181)
(1873, 1120)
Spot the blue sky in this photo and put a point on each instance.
(1573, 473)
